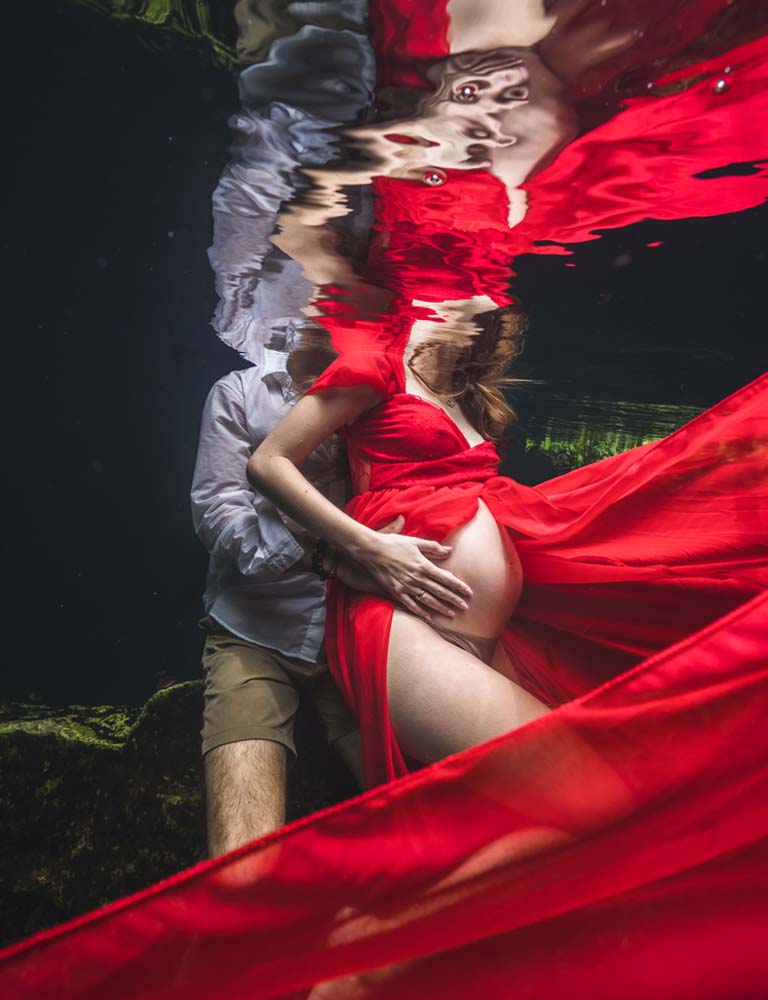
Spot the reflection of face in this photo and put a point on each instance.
(477, 104)
(520, 104)
(505, 101)
(501, 110)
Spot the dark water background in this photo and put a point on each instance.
(114, 147)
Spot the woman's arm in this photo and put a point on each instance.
(402, 566)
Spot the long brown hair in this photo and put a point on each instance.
(479, 374)
(481, 371)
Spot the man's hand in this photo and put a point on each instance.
(353, 575)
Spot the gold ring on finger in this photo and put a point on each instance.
(418, 597)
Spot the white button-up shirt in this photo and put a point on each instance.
(254, 587)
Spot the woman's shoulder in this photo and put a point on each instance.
(377, 369)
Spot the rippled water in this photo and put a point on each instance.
(598, 165)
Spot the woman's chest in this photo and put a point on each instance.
(409, 428)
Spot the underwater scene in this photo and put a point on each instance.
(392, 502)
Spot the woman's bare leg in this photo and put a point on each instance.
(442, 699)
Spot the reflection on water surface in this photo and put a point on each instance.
(493, 135)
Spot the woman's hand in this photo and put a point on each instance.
(405, 569)
(354, 575)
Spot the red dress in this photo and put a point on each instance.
(620, 559)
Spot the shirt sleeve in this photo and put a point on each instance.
(233, 522)
(376, 369)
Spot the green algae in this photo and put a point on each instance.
(589, 430)
(106, 722)
(191, 20)
(100, 801)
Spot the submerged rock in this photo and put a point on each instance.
(100, 801)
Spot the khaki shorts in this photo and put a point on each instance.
(252, 692)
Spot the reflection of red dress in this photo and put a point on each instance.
(620, 558)
(410, 34)
(644, 163)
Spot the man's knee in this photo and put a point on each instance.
(244, 762)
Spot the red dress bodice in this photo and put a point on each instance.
(404, 440)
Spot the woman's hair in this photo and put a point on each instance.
(310, 357)
(480, 370)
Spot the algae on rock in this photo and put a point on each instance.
(98, 802)
(87, 797)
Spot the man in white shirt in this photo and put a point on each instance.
(265, 613)
(265, 607)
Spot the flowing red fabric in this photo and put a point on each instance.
(616, 847)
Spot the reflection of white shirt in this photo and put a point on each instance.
(253, 587)
(260, 289)
(293, 103)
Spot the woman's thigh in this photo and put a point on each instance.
(442, 699)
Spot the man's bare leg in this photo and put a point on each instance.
(244, 792)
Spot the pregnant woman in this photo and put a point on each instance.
(619, 559)
(428, 655)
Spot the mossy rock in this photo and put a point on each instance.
(99, 801)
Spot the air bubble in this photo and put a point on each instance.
(721, 86)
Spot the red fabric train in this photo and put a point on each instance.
(616, 847)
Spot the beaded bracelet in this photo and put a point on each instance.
(320, 553)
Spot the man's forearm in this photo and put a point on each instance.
(351, 573)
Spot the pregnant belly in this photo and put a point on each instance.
(484, 557)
